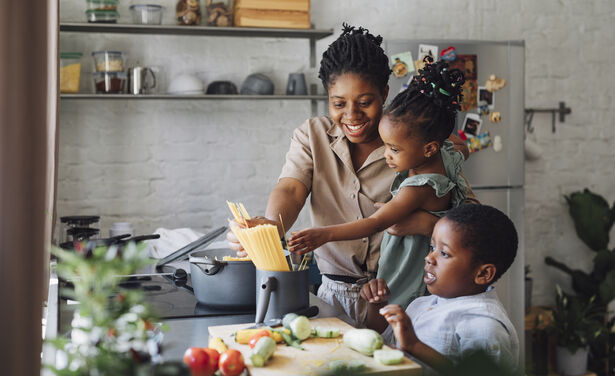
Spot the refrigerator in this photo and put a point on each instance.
(496, 177)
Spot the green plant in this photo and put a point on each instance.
(576, 323)
(593, 219)
(113, 330)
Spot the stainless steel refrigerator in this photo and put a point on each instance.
(497, 177)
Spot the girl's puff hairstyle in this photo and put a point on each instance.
(488, 233)
(431, 101)
(355, 51)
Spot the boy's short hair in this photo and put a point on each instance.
(487, 232)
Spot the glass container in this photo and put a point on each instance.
(109, 82)
(102, 5)
(188, 12)
(70, 72)
(108, 61)
(146, 14)
(102, 16)
(219, 12)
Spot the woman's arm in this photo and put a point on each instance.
(405, 202)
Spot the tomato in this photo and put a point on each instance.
(257, 336)
(214, 357)
(231, 363)
(198, 361)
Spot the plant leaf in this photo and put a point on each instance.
(607, 287)
(592, 218)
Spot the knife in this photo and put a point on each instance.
(307, 312)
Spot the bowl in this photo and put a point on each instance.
(146, 14)
(221, 87)
(186, 84)
(108, 61)
(257, 84)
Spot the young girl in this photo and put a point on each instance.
(414, 129)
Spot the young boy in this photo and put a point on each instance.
(471, 247)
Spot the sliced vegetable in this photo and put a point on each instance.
(300, 327)
(243, 336)
(355, 366)
(257, 336)
(288, 318)
(389, 357)
(262, 351)
(343, 367)
(327, 332)
(290, 341)
(218, 344)
(365, 341)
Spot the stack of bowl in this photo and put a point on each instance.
(102, 11)
(109, 75)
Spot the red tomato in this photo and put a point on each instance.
(257, 336)
(231, 363)
(198, 361)
(214, 357)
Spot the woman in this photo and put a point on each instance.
(339, 160)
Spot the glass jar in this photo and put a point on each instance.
(70, 72)
(188, 12)
(109, 82)
(108, 61)
(219, 12)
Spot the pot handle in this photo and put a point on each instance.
(267, 285)
(213, 266)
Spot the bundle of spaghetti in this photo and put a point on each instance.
(263, 246)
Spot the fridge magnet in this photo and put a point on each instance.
(479, 142)
(448, 54)
(419, 64)
(469, 90)
(466, 64)
(471, 125)
(428, 50)
(486, 96)
(483, 108)
(494, 83)
(497, 144)
(495, 117)
(402, 64)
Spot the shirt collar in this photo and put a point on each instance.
(339, 143)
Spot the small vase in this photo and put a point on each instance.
(571, 364)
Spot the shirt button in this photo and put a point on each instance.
(358, 217)
(352, 195)
(364, 240)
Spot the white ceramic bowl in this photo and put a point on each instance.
(186, 84)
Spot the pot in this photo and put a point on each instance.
(279, 293)
(222, 284)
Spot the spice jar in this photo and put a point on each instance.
(188, 12)
(70, 72)
(109, 82)
(219, 12)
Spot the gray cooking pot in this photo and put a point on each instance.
(223, 284)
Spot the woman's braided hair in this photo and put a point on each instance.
(355, 51)
(431, 102)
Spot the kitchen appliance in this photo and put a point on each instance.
(219, 283)
(279, 293)
(296, 84)
(137, 80)
(497, 178)
(257, 84)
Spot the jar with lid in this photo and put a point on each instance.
(70, 71)
(219, 12)
(188, 12)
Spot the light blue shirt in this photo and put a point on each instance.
(457, 326)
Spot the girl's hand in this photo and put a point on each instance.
(305, 241)
(402, 326)
(375, 291)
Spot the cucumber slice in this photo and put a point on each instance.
(300, 327)
(327, 332)
(288, 318)
(389, 357)
(262, 351)
(355, 366)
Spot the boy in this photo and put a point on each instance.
(471, 247)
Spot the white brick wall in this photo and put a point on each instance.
(173, 164)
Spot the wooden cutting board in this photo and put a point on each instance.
(314, 360)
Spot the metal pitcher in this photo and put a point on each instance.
(279, 293)
(137, 80)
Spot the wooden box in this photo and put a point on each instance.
(291, 14)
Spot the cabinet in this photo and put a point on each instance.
(311, 34)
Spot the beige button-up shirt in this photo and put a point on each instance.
(319, 157)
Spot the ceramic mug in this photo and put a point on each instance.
(296, 84)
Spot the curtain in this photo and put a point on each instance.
(28, 115)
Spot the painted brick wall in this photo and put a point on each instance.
(174, 163)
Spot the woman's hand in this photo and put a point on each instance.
(308, 240)
(375, 291)
(233, 242)
(401, 325)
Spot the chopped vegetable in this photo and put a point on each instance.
(351, 367)
(365, 341)
(288, 318)
(300, 327)
(327, 332)
(290, 341)
(389, 357)
(218, 344)
(262, 351)
(243, 336)
(257, 336)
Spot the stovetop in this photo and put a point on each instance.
(175, 299)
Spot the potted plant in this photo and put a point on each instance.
(576, 324)
(593, 219)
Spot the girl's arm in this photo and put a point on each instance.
(405, 202)
(459, 145)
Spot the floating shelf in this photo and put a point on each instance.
(193, 97)
(313, 34)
